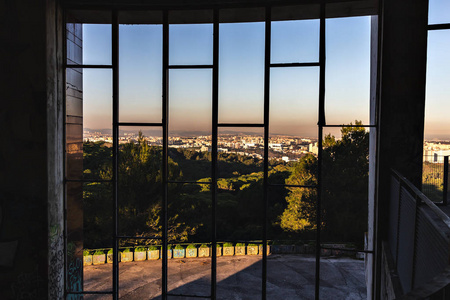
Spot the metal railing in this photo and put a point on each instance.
(419, 235)
(435, 178)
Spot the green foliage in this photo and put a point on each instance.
(252, 245)
(169, 247)
(86, 252)
(204, 246)
(344, 188)
(140, 249)
(300, 213)
(345, 185)
(99, 252)
(228, 245)
(126, 250)
(110, 251)
(240, 245)
(152, 248)
(179, 247)
(191, 246)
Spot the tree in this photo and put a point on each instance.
(345, 170)
(345, 184)
(300, 213)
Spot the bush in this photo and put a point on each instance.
(240, 245)
(252, 245)
(152, 248)
(228, 245)
(127, 250)
(110, 251)
(205, 246)
(179, 247)
(140, 249)
(99, 252)
(86, 253)
(169, 247)
(191, 246)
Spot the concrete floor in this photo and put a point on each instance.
(238, 277)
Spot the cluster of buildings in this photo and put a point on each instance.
(286, 148)
(435, 151)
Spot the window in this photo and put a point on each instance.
(243, 135)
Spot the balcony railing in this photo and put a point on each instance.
(435, 178)
(419, 239)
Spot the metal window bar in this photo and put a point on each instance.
(215, 125)
(290, 65)
(115, 64)
(214, 151)
(140, 124)
(165, 116)
(268, 30)
(321, 123)
(445, 192)
(439, 26)
(72, 66)
(190, 67)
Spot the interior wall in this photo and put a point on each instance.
(23, 154)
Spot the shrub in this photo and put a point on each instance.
(228, 245)
(152, 248)
(205, 246)
(127, 250)
(110, 251)
(86, 253)
(99, 252)
(191, 246)
(140, 249)
(179, 247)
(252, 245)
(169, 247)
(240, 245)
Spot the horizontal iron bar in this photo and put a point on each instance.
(343, 125)
(190, 296)
(439, 26)
(293, 185)
(139, 237)
(347, 249)
(284, 65)
(139, 124)
(190, 182)
(190, 67)
(240, 125)
(70, 66)
(88, 180)
(90, 293)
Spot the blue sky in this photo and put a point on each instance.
(294, 91)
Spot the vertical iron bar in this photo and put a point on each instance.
(321, 123)
(165, 123)
(268, 28)
(215, 121)
(115, 68)
(445, 196)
